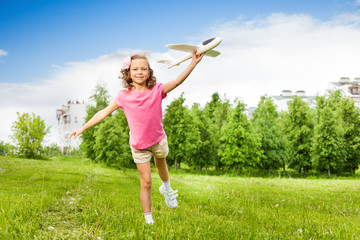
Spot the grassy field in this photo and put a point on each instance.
(70, 198)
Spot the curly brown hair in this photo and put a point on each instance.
(128, 82)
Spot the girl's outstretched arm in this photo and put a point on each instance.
(98, 117)
(176, 82)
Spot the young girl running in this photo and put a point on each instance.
(141, 104)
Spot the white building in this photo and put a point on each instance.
(249, 112)
(70, 117)
(350, 88)
(282, 100)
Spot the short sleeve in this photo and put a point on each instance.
(161, 90)
(119, 98)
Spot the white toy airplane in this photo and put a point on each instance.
(205, 47)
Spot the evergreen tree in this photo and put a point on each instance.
(217, 111)
(112, 142)
(299, 126)
(183, 136)
(212, 106)
(101, 97)
(351, 118)
(240, 146)
(29, 131)
(288, 150)
(202, 156)
(266, 124)
(328, 146)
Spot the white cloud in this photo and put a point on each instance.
(72, 81)
(259, 56)
(3, 53)
(357, 2)
(264, 56)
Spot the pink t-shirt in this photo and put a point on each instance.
(143, 112)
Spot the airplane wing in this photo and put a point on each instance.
(182, 47)
(212, 53)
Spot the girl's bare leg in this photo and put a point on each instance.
(162, 169)
(145, 180)
(165, 189)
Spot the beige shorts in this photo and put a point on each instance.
(159, 150)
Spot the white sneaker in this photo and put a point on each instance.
(170, 197)
(150, 222)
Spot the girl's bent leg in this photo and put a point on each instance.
(145, 180)
(165, 189)
(162, 168)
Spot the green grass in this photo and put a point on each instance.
(69, 198)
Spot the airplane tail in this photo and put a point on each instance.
(169, 62)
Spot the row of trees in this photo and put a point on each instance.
(220, 135)
(326, 138)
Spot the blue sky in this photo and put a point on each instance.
(55, 51)
(39, 34)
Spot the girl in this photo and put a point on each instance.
(141, 103)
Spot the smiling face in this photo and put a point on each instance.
(139, 72)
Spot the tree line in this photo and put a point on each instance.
(220, 135)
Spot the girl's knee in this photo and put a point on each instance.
(146, 183)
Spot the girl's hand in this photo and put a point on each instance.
(197, 58)
(99, 116)
(168, 87)
(76, 133)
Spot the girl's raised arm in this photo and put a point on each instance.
(176, 82)
(98, 117)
